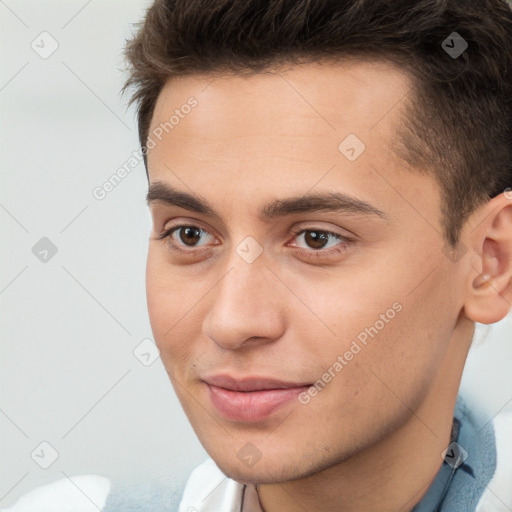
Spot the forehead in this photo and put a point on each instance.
(301, 113)
(349, 94)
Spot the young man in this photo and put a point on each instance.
(329, 184)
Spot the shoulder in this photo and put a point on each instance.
(82, 493)
(497, 496)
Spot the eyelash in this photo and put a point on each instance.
(308, 253)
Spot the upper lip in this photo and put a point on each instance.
(250, 383)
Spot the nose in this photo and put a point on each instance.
(245, 307)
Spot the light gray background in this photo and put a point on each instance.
(69, 326)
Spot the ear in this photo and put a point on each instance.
(489, 283)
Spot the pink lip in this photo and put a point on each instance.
(250, 399)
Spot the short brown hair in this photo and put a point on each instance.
(458, 122)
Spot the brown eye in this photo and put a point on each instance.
(320, 244)
(316, 239)
(183, 236)
(189, 235)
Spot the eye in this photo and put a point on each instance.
(316, 239)
(319, 243)
(184, 236)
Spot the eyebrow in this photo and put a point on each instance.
(320, 202)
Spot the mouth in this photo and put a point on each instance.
(250, 399)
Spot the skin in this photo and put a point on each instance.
(384, 420)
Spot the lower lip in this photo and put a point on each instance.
(251, 406)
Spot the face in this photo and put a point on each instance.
(296, 278)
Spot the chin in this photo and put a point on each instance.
(259, 474)
(274, 468)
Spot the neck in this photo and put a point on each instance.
(396, 472)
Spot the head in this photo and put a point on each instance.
(331, 208)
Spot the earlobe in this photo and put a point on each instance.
(489, 297)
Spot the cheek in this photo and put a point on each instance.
(174, 308)
(165, 300)
(347, 309)
(157, 296)
(398, 336)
